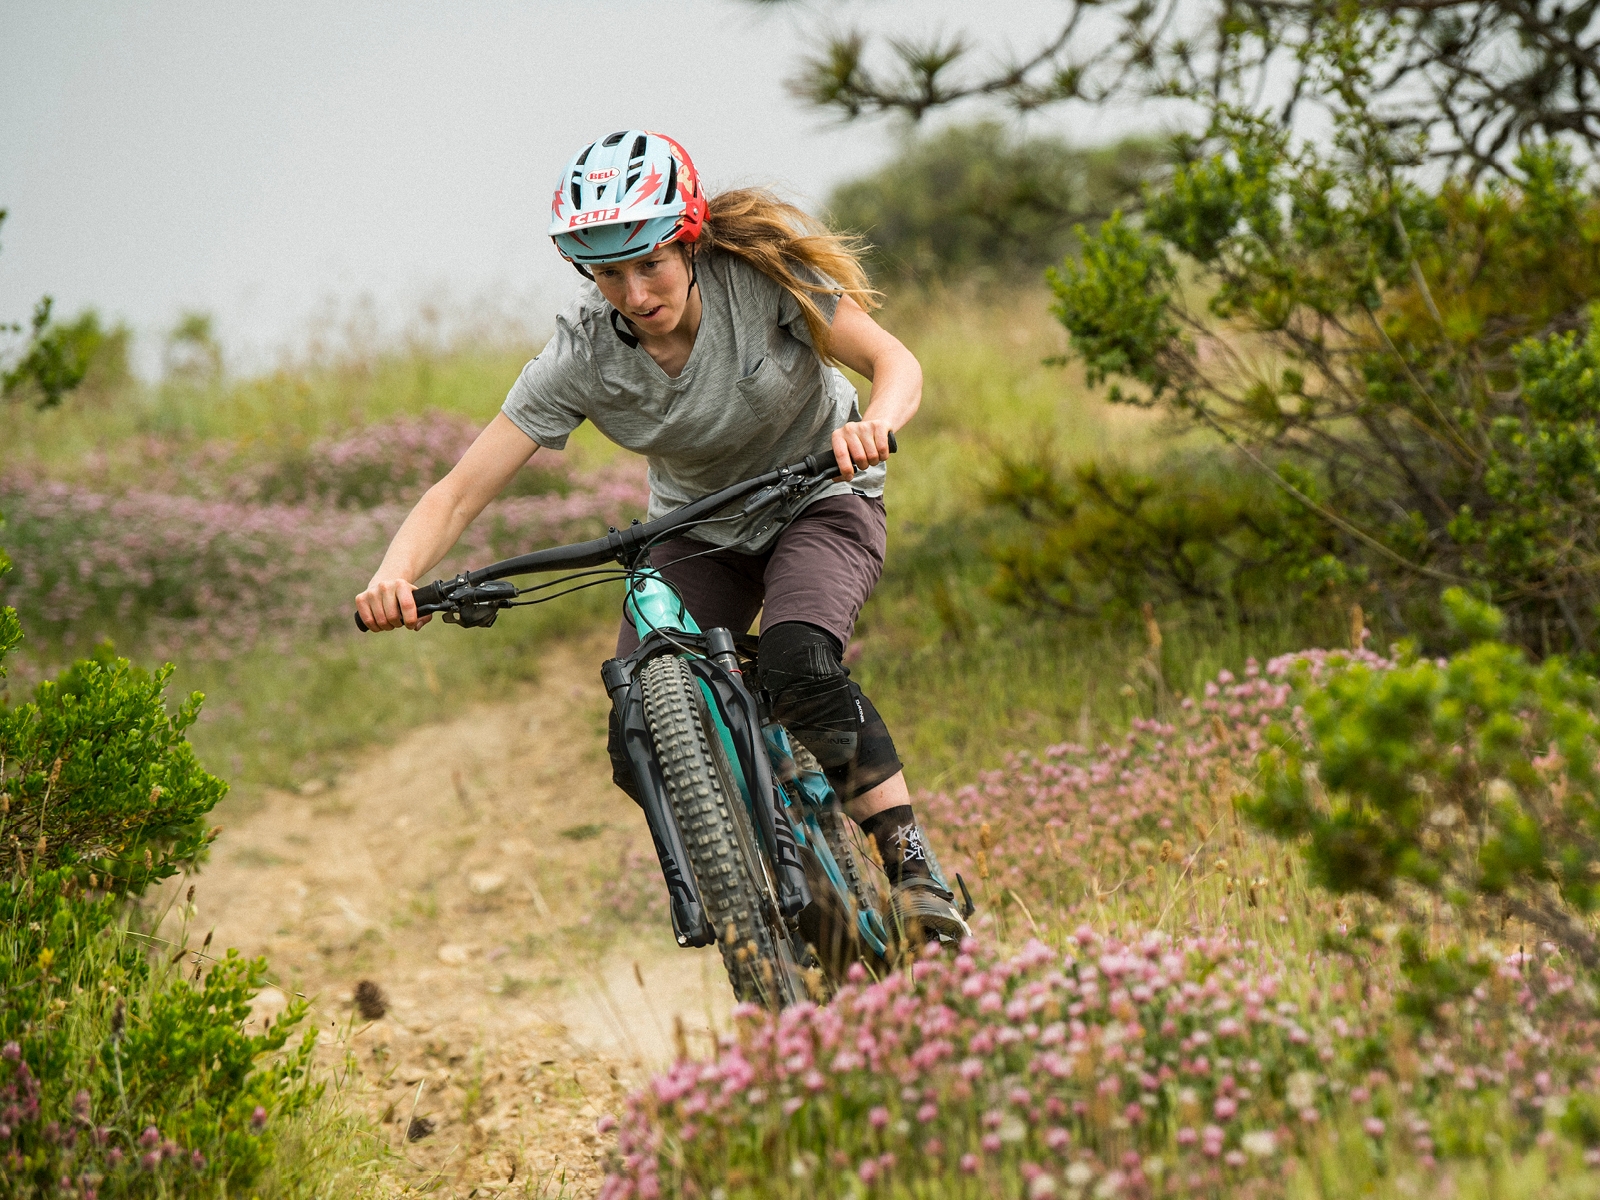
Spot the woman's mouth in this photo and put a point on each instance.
(649, 313)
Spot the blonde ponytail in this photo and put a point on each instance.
(775, 237)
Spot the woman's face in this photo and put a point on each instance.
(651, 292)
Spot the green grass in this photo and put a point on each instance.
(278, 721)
(284, 409)
(960, 678)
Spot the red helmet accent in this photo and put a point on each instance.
(694, 201)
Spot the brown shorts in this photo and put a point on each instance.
(821, 570)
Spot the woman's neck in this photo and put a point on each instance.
(671, 350)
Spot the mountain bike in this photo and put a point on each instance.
(755, 849)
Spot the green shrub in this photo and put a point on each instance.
(1104, 538)
(1472, 780)
(62, 355)
(1422, 352)
(119, 1075)
(96, 773)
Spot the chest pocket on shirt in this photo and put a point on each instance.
(767, 389)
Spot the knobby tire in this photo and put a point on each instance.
(719, 837)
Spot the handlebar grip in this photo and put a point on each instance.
(893, 445)
(428, 595)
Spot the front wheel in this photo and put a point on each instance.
(718, 837)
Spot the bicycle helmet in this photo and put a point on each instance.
(624, 196)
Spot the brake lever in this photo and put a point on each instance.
(478, 607)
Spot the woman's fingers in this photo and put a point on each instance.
(408, 606)
(859, 445)
(842, 454)
(388, 605)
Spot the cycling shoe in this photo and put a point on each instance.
(926, 912)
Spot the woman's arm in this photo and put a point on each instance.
(439, 519)
(861, 344)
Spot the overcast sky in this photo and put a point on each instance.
(268, 162)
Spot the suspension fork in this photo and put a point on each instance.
(689, 924)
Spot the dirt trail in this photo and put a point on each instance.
(474, 871)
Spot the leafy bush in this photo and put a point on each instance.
(60, 356)
(118, 1076)
(1473, 780)
(1104, 538)
(978, 199)
(1420, 353)
(95, 773)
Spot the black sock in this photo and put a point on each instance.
(900, 843)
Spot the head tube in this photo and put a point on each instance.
(651, 604)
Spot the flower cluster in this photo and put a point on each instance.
(212, 561)
(78, 1157)
(1162, 1050)
(1147, 1066)
(1074, 822)
(390, 462)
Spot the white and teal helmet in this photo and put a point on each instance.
(623, 196)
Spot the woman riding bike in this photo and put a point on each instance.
(705, 341)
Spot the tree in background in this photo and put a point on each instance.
(1464, 82)
(192, 354)
(1408, 356)
(59, 357)
(980, 200)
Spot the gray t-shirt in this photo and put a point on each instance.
(753, 396)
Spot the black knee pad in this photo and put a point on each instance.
(810, 690)
(821, 706)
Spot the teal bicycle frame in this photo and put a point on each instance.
(654, 607)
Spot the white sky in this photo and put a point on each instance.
(270, 162)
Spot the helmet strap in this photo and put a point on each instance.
(582, 270)
(619, 327)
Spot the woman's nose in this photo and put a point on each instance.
(638, 293)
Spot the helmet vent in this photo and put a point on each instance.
(577, 195)
(584, 157)
(628, 186)
(615, 138)
(672, 182)
(638, 147)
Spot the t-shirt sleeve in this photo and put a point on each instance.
(792, 316)
(547, 400)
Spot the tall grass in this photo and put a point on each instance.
(958, 676)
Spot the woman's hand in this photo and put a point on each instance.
(859, 445)
(387, 604)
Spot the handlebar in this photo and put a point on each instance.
(619, 545)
